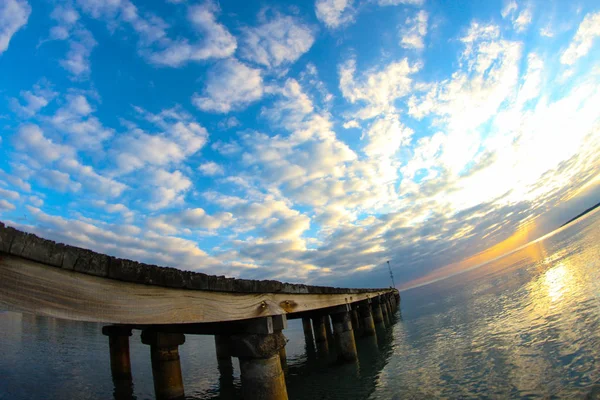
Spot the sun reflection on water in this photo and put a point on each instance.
(556, 281)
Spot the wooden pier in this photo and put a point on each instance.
(247, 317)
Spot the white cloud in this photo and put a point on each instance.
(523, 20)
(379, 89)
(398, 2)
(31, 139)
(335, 13)
(385, 136)
(226, 148)
(546, 31)
(413, 33)
(228, 123)
(276, 41)
(57, 180)
(36, 201)
(510, 7)
(9, 194)
(81, 129)
(583, 40)
(351, 124)
(34, 144)
(216, 40)
(181, 137)
(77, 60)
(13, 16)
(230, 85)
(66, 17)
(33, 100)
(166, 188)
(211, 169)
(191, 218)
(6, 206)
(116, 208)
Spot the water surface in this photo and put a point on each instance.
(526, 325)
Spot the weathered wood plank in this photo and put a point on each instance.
(32, 287)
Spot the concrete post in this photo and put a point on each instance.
(283, 359)
(391, 306)
(354, 317)
(223, 356)
(120, 363)
(166, 368)
(260, 362)
(118, 341)
(329, 329)
(384, 311)
(368, 325)
(321, 332)
(308, 332)
(342, 326)
(377, 313)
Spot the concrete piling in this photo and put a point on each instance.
(345, 343)
(260, 355)
(377, 313)
(283, 359)
(390, 302)
(320, 329)
(166, 367)
(223, 356)
(366, 316)
(329, 330)
(120, 363)
(384, 311)
(354, 318)
(308, 332)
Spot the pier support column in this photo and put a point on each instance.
(308, 332)
(344, 335)
(120, 362)
(321, 332)
(118, 341)
(366, 316)
(329, 330)
(390, 302)
(259, 353)
(283, 359)
(166, 368)
(354, 317)
(223, 356)
(377, 313)
(384, 311)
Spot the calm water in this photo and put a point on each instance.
(527, 325)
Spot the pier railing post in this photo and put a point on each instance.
(344, 335)
(259, 352)
(166, 368)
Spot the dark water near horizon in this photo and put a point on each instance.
(527, 325)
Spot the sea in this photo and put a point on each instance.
(523, 326)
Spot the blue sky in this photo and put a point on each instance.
(305, 142)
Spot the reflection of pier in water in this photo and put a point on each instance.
(247, 319)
